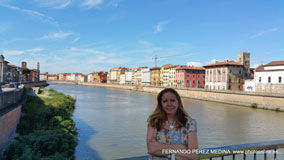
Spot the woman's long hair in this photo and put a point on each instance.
(159, 116)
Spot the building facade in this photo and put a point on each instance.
(164, 75)
(155, 76)
(129, 76)
(228, 75)
(190, 77)
(269, 77)
(146, 76)
(43, 76)
(3, 69)
(114, 74)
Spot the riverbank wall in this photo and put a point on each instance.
(259, 100)
(10, 109)
(10, 112)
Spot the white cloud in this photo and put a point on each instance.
(55, 4)
(267, 53)
(145, 43)
(212, 61)
(264, 32)
(76, 39)
(34, 50)
(20, 52)
(85, 51)
(117, 61)
(91, 3)
(255, 65)
(12, 52)
(39, 15)
(56, 35)
(113, 3)
(160, 26)
(195, 64)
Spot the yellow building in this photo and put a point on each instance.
(155, 76)
(172, 76)
(61, 76)
(68, 76)
(52, 77)
(114, 74)
(164, 75)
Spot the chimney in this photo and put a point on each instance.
(24, 64)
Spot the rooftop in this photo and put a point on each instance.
(224, 63)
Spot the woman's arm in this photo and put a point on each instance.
(155, 148)
(192, 146)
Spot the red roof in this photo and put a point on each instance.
(275, 63)
(225, 63)
(191, 68)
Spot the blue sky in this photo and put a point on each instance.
(93, 35)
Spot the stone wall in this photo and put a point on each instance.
(8, 124)
(9, 98)
(263, 100)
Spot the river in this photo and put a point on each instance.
(112, 122)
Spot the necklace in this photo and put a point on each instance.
(171, 124)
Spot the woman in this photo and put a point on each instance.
(171, 129)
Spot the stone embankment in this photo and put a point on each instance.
(259, 100)
(11, 100)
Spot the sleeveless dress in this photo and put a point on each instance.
(175, 136)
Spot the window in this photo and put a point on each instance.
(269, 79)
(280, 79)
(259, 79)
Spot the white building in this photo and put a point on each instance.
(114, 74)
(269, 77)
(138, 76)
(122, 78)
(90, 77)
(129, 76)
(146, 76)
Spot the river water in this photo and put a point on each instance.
(112, 122)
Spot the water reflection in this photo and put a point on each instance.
(112, 122)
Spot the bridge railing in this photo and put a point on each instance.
(258, 150)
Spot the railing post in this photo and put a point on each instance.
(254, 156)
(275, 155)
(265, 155)
(244, 156)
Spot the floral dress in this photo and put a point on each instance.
(175, 136)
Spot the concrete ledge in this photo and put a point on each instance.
(263, 100)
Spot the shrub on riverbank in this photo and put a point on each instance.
(46, 130)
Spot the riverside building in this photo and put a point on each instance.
(228, 75)
(190, 77)
(269, 77)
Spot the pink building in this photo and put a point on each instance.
(190, 77)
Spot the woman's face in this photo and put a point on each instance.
(170, 103)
